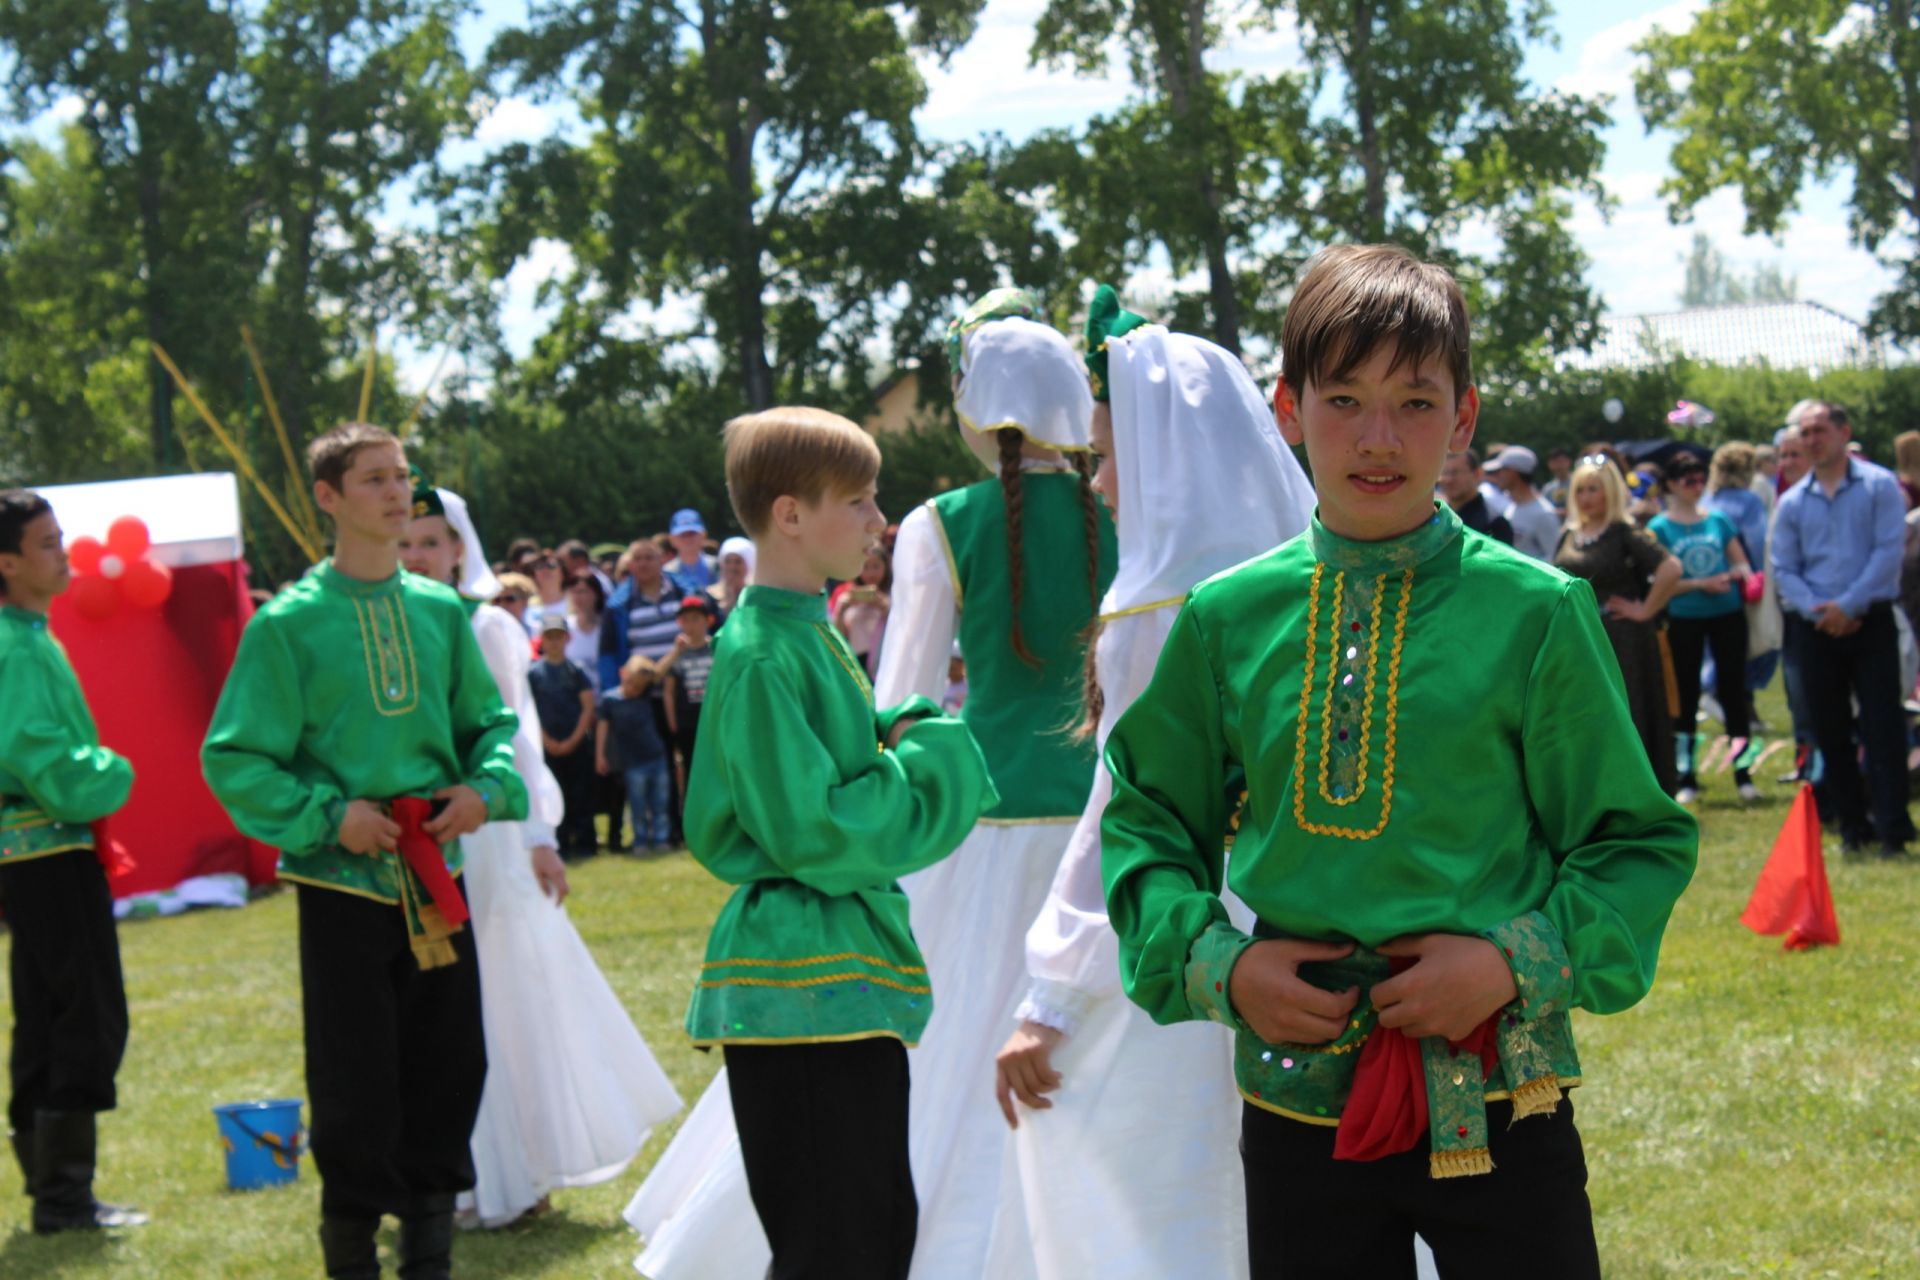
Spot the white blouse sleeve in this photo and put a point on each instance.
(921, 621)
(1073, 955)
(504, 646)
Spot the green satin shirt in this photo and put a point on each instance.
(794, 799)
(55, 777)
(1434, 738)
(347, 690)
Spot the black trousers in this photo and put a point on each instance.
(576, 777)
(1311, 1217)
(395, 1057)
(69, 1004)
(823, 1133)
(1727, 637)
(1835, 672)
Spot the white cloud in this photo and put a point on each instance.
(989, 85)
(1607, 60)
(521, 120)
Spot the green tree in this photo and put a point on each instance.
(1439, 130)
(155, 82)
(1768, 96)
(1412, 122)
(347, 102)
(72, 369)
(751, 157)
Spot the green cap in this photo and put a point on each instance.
(1000, 304)
(1106, 320)
(426, 498)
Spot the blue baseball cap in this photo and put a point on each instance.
(686, 520)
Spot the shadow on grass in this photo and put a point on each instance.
(26, 1254)
(524, 1248)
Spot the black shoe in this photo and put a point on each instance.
(346, 1243)
(63, 1156)
(1853, 848)
(426, 1239)
(1892, 849)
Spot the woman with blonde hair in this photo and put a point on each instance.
(1633, 577)
(1906, 464)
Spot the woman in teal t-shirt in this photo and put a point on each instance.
(1707, 612)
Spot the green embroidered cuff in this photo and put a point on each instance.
(918, 706)
(496, 797)
(333, 812)
(1210, 964)
(1542, 974)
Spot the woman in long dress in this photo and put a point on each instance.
(1014, 566)
(572, 1090)
(1127, 1131)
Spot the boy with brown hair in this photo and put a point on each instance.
(1403, 998)
(361, 735)
(815, 805)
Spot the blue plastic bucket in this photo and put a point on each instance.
(263, 1142)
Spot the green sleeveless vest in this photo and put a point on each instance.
(1021, 714)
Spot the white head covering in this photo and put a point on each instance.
(1205, 479)
(476, 575)
(1016, 373)
(742, 547)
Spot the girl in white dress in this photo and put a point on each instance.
(1127, 1130)
(572, 1090)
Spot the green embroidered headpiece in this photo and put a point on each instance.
(1106, 320)
(1000, 304)
(426, 498)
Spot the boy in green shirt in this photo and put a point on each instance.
(361, 735)
(57, 783)
(815, 805)
(1446, 827)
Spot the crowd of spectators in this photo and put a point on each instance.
(1717, 569)
(622, 643)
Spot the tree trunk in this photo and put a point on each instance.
(1179, 49)
(154, 303)
(1906, 69)
(1360, 75)
(746, 280)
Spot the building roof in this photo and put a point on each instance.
(1781, 335)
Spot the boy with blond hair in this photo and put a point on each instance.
(815, 805)
(1402, 1001)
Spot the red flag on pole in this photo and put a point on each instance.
(1792, 896)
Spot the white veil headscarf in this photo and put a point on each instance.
(503, 645)
(476, 575)
(742, 547)
(1017, 373)
(1206, 482)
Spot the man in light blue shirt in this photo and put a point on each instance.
(1837, 542)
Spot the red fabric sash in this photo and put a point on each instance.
(422, 854)
(113, 857)
(1386, 1111)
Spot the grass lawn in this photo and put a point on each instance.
(1757, 1115)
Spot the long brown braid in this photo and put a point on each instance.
(1092, 700)
(1011, 443)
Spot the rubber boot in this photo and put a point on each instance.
(346, 1243)
(426, 1239)
(63, 1159)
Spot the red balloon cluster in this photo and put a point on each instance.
(105, 574)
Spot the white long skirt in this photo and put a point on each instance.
(971, 913)
(970, 917)
(1134, 1173)
(572, 1090)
